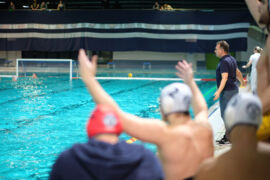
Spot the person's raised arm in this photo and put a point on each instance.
(198, 102)
(88, 73)
(143, 129)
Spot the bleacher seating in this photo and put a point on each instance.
(5, 62)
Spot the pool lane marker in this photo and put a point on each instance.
(131, 140)
(132, 78)
(210, 90)
(152, 79)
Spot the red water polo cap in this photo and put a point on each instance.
(104, 119)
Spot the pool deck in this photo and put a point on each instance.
(218, 129)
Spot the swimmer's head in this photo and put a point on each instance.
(175, 98)
(104, 120)
(243, 109)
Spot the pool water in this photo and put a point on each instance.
(42, 117)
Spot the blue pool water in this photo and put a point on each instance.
(40, 118)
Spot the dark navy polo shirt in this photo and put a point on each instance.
(227, 64)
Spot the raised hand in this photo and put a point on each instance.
(87, 67)
(184, 71)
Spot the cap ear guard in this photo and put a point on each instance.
(243, 109)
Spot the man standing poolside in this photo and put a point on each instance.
(226, 74)
(182, 143)
(260, 10)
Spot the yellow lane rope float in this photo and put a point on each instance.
(131, 140)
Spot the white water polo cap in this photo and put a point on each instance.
(175, 97)
(243, 109)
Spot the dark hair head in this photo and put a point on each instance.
(224, 45)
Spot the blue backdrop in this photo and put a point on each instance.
(123, 30)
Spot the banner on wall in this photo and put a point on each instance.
(125, 30)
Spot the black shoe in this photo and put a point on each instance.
(224, 140)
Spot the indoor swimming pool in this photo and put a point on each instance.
(42, 117)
